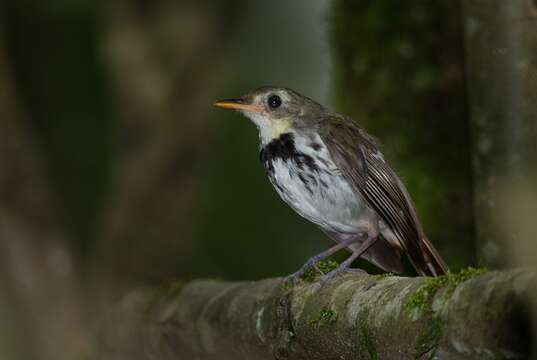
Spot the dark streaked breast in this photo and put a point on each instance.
(284, 148)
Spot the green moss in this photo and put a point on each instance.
(324, 266)
(326, 317)
(383, 276)
(366, 342)
(287, 285)
(428, 341)
(421, 299)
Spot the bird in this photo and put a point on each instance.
(328, 169)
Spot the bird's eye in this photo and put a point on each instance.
(274, 101)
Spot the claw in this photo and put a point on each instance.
(311, 263)
(345, 266)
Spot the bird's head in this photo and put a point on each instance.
(275, 110)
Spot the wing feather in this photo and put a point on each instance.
(357, 156)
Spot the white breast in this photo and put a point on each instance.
(322, 196)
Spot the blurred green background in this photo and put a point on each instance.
(117, 170)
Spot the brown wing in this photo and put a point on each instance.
(357, 156)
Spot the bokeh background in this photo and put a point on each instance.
(117, 172)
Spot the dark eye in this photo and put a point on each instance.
(274, 101)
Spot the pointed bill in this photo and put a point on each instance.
(237, 104)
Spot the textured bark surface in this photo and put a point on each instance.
(354, 317)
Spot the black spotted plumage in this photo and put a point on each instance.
(284, 148)
(304, 167)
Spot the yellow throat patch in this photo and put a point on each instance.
(280, 126)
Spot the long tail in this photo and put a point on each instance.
(434, 264)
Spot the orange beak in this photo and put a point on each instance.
(237, 104)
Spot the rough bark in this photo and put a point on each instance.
(354, 317)
(501, 54)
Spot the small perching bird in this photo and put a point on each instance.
(331, 172)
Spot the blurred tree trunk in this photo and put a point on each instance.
(141, 74)
(164, 59)
(38, 277)
(56, 117)
(501, 52)
(399, 73)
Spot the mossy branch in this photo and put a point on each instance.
(472, 315)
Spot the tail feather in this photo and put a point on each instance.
(434, 261)
(425, 258)
(385, 256)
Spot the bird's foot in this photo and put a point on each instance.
(345, 265)
(311, 263)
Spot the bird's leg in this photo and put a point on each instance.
(345, 265)
(372, 237)
(312, 262)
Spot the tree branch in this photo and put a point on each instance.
(353, 317)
